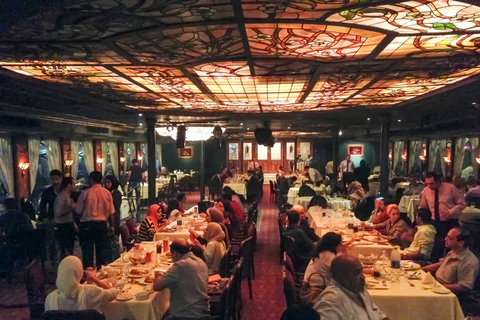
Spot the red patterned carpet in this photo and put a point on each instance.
(268, 300)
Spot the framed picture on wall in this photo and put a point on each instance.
(185, 153)
(247, 151)
(262, 152)
(233, 151)
(355, 150)
(304, 150)
(290, 150)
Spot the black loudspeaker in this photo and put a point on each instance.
(264, 136)
(181, 136)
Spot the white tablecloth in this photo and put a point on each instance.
(144, 189)
(183, 234)
(409, 204)
(403, 302)
(154, 308)
(339, 203)
(368, 249)
(239, 188)
(293, 192)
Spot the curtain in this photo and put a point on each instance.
(104, 155)
(88, 156)
(6, 166)
(158, 156)
(431, 154)
(459, 155)
(442, 144)
(475, 150)
(54, 158)
(113, 148)
(33, 154)
(75, 153)
(414, 156)
(397, 160)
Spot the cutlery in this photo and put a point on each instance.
(411, 284)
(384, 282)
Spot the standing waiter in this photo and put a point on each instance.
(346, 170)
(446, 204)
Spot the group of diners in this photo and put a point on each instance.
(253, 183)
(338, 278)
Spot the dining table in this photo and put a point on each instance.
(409, 204)
(408, 299)
(238, 187)
(157, 303)
(189, 219)
(293, 192)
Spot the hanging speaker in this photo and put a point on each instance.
(181, 136)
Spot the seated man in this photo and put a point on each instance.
(14, 224)
(413, 187)
(304, 223)
(301, 252)
(346, 297)
(187, 280)
(459, 269)
(424, 239)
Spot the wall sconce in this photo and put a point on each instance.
(447, 159)
(99, 160)
(122, 160)
(404, 157)
(478, 160)
(68, 163)
(24, 166)
(423, 157)
(140, 158)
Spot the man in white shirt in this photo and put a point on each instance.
(346, 169)
(346, 298)
(424, 239)
(313, 174)
(187, 280)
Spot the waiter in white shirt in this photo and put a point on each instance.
(346, 170)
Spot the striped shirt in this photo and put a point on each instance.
(147, 230)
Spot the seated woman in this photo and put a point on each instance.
(231, 221)
(70, 295)
(394, 226)
(355, 193)
(424, 239)
(182, 198)
(318, 273)
(214, 215)
(215, 247)
(237, 209)
(152, 223)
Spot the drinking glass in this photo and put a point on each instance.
(120, 284)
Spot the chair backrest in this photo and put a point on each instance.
(289, 288)
(125, 232)
(271, 186)
(288, 264)
(399, 194)
(475, 200)
(225, 264)
(35, 284)
(73, 315)
(289, 243)
(252, 231)
(132, 226)
(247, 250)
(36, 244)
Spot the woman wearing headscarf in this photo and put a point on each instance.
(71, 295)
(112, 184)
(215, 248)
(394, 226)
(152, 223)
(212, 215)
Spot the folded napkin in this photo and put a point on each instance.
(214, 278)
(428, 279)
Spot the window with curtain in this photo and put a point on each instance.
(108, 168)
(82, 172)
(42, 180)
(467, 164)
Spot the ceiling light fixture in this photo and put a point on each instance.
(368, 119)
(340, 132)
(140, 114)
(191, 134)
(399, 120)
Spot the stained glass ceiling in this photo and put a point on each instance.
(246, 56)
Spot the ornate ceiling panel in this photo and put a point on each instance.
(431, 46)
(415, 16)
(184, 45)
(309, 41)
(246, 56)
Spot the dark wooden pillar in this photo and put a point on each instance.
(151, 170)
(335, 154)
(384, 160)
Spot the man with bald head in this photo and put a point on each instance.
(346, 297)
(303, 223)
(187, 280)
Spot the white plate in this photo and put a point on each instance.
(125, 296)
(409, 266)
(441, 290)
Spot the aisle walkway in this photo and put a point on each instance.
(268, 300)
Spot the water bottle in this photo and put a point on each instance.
(385, 260)
(395, 258)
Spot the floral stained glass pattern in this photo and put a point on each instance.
(169, 82)
(309, 41)
(415, 16)
(184, 45)
(337, 87)
(431, 46)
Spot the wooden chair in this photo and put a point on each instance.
(225, 264)
(272, 193)
(282, 218)
(35, 284)
(247, 250)
(289, 288)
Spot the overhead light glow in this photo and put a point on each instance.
(191, 133)
(340, 132)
